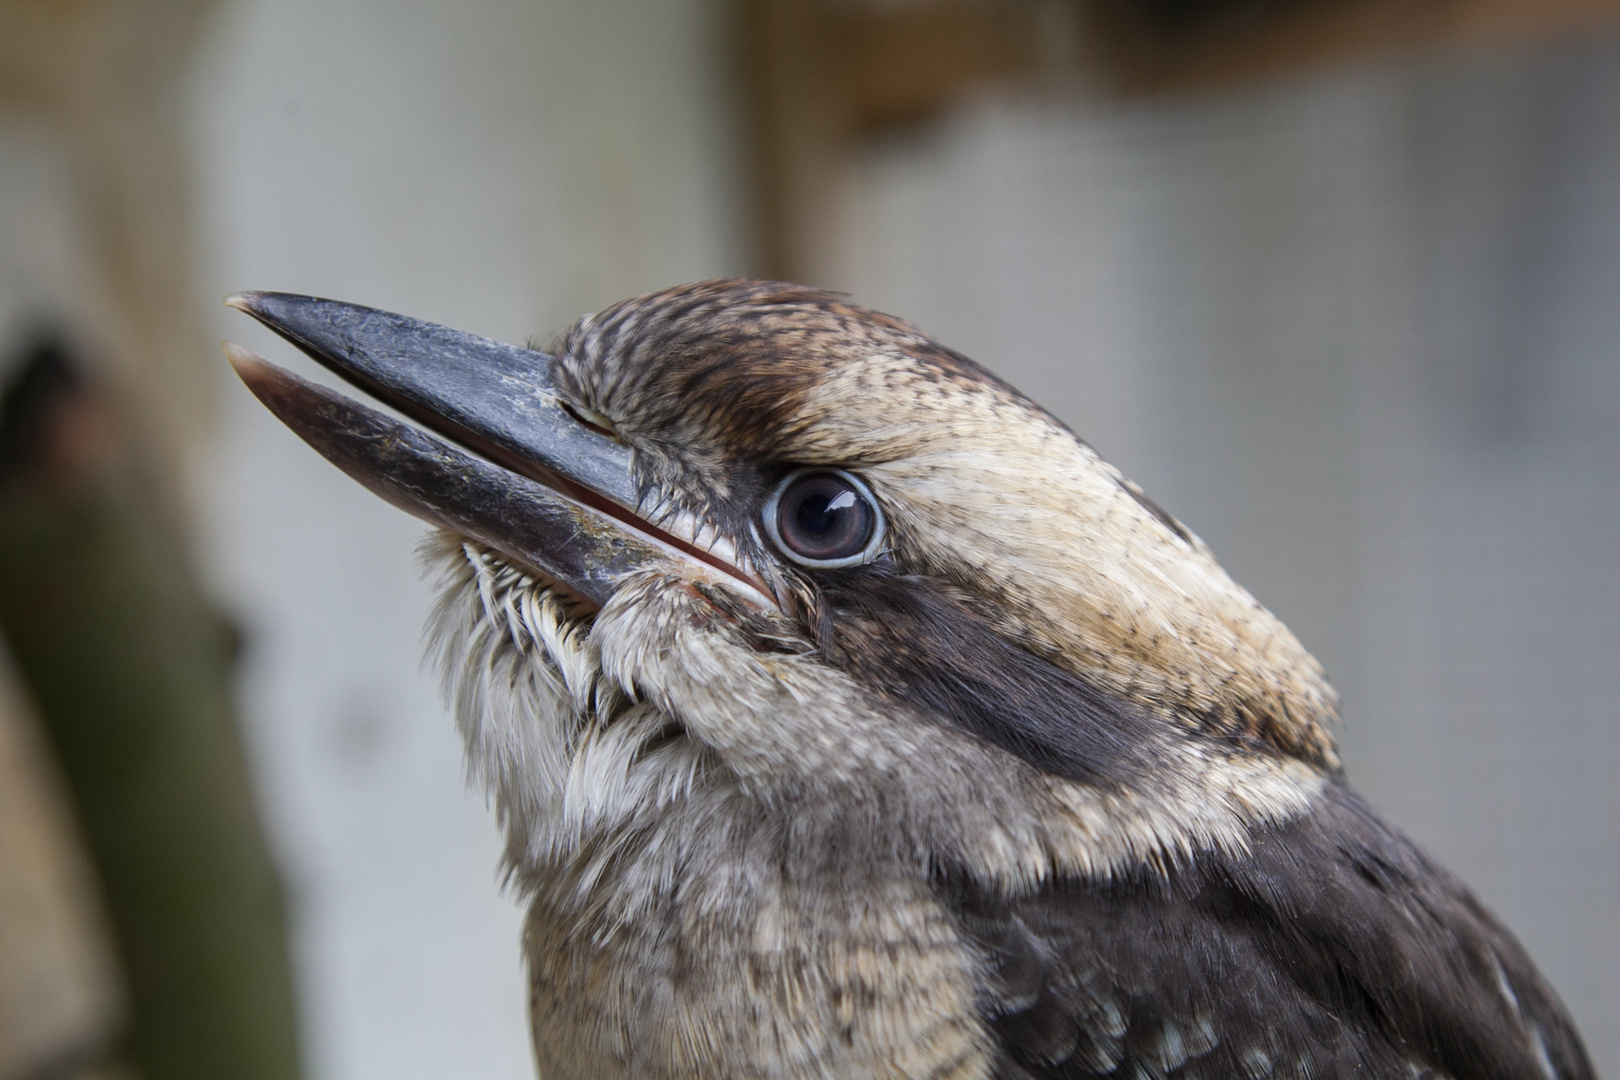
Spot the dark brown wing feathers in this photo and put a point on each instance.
(1334, 949)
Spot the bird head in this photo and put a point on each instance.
(745, 539)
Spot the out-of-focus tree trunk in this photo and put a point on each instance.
(131, 668)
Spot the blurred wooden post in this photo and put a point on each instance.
(824, 74)
(799, 127)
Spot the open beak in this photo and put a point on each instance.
(549, 492)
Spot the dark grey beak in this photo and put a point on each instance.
(541, 487)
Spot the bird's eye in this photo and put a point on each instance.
(824, 518)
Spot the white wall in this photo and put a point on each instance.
(500, 166)
(1362, 333)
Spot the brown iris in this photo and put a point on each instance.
(824, 518)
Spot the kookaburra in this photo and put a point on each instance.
(848, 716)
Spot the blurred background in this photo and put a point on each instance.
(1337, 281)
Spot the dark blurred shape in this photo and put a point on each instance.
(1171, 20)
(131, 669)
(1152, 46)
(1189, 16)
(27, 408)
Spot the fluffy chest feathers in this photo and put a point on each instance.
(680, 925)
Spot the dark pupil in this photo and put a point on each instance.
(822, 517)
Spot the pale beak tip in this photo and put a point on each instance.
(246, 362)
